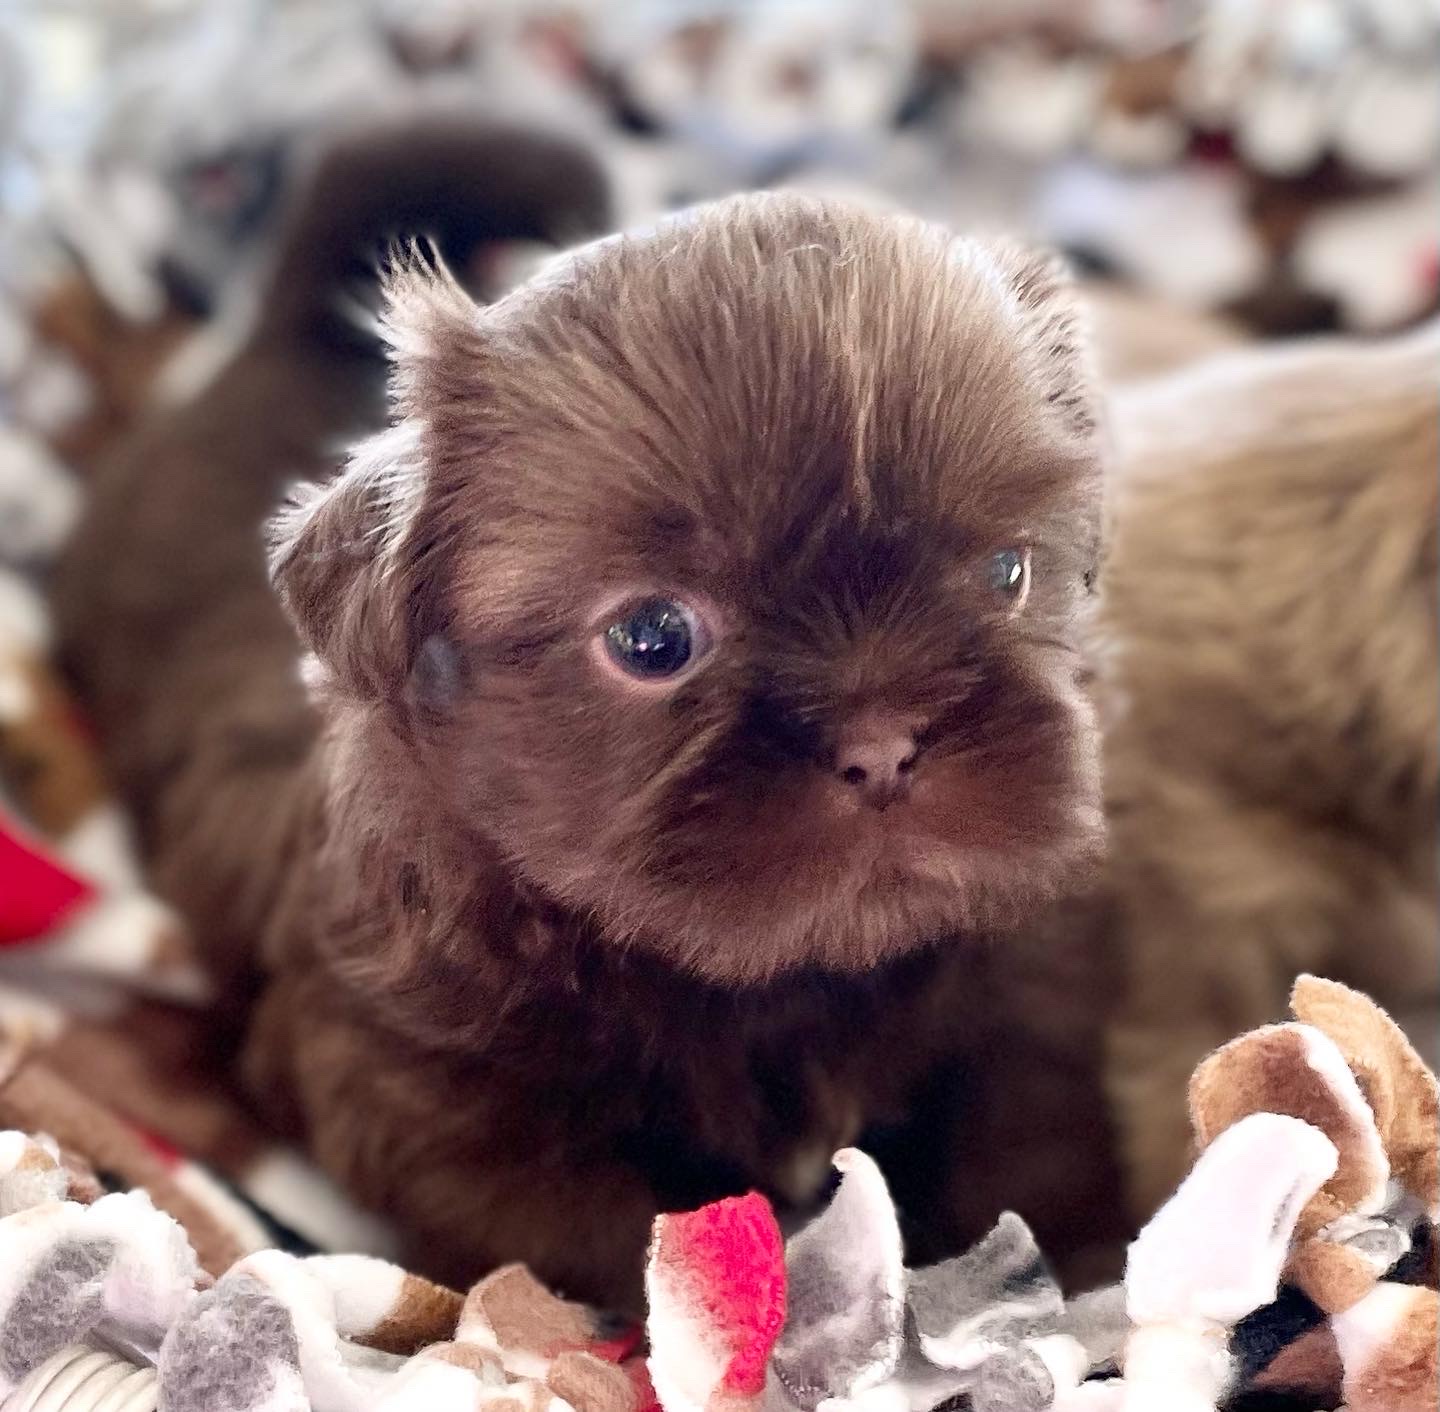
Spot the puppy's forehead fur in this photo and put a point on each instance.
(746, 374)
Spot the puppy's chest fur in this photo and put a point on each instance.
(737, 1089)
(589, 1056)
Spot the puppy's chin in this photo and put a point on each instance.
(809, 883)
(844, 917)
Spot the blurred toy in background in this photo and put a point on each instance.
(1277, 162)
(39, 501)
(79, 934)
(97, 368)
(1278, 159)
(78, 930)
(761, 90)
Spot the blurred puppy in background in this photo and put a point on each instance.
(1268, 682)
(1139, 335)
(699, 698)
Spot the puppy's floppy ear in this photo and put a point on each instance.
(1056, 333)
(350, 559)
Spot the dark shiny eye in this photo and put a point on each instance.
(656, 638)
(1010, 574)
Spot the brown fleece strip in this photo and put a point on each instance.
(152, 1066)
(424, 1314)
(36, 1100)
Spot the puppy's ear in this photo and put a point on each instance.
(1056, 334)
(350, 559)
(338, 560)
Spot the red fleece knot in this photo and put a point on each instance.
(37, 892)
(729, 1258)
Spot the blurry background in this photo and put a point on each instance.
(1274, 160)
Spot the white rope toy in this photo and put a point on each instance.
(82, 1379)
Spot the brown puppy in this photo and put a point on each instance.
(697, 655)
(1268, 683)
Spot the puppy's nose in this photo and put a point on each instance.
(876, 754)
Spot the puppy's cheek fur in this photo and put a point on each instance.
(745, 874)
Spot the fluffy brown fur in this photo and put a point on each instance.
(1269, 694)
(547, 949)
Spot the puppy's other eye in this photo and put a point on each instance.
(656, 638)
(1010, 574)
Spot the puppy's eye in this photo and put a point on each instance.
(656, 638)
(1010, 574)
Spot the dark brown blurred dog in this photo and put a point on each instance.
(697, 653)
(1270, 689)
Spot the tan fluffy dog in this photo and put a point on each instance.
(1269, 674)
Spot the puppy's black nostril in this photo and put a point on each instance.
(853, 774)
